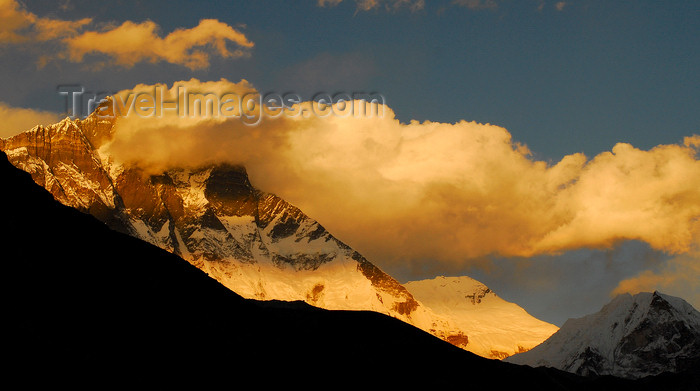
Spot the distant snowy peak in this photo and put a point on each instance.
(632, 336)
(495, 327)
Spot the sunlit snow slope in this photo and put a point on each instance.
(253, 242)
(496, 328)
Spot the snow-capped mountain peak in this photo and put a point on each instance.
(253, 242)
(632, 336)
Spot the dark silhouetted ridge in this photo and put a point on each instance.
(83, 304)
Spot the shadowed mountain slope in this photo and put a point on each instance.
(253, 242)
(78, 310)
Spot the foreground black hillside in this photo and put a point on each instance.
(82, 302)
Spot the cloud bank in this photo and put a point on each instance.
(451, 193)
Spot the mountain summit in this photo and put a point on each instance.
(632, 336)
(254, 243)
(84, 305)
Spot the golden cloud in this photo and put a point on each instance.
(18, 25)
(131, 43)
(125, 44)
(449, 193)
(678, 277)
(16, 120)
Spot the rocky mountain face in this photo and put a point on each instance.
(498, 328)
(83, 304)
(632, 337)
(253, 242)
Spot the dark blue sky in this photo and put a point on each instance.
(579, 77)
(575, 80)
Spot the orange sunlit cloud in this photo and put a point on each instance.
(131, 43)
(18, 25)
(446, 192)
(678, 276)
(126, 44)
(16, 120)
